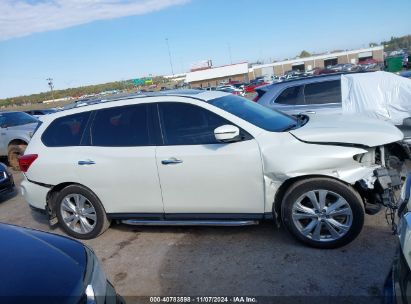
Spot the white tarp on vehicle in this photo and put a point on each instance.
(380, 95)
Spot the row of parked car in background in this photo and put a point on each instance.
(368, 65)
(240, 88)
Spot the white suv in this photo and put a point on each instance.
(205, 158)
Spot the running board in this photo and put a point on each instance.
(189, 223)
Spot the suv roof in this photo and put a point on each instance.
(201, 95)
(198, 94)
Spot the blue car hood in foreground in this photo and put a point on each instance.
(36, 264)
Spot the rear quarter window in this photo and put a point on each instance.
(291, 96)
(323, 92)
(66, 131)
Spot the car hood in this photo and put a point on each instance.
(38, 264)
(348, 129)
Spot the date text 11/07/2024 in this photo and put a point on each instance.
(203, 300)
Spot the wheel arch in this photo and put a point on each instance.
(282, 190)
(55, 190)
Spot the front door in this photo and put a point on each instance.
(201, 177)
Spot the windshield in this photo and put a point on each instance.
(262, 117)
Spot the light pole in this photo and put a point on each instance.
(51, 85)
(169, 55)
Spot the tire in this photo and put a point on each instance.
(13, 155)
(338, 220)
(92, 212)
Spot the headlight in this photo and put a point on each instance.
(96, 280)
(367, 158)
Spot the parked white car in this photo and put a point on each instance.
(16, 129)
(206, 158)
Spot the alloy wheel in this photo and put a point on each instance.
(78, 213)
(322, 215)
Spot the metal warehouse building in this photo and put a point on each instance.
(318, 61)
(214, 76)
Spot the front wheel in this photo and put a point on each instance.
(323, 213)
(80, 212)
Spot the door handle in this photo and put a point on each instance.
(171, 161)
(85, 162)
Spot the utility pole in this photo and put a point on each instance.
(51, 85)
(169, 55)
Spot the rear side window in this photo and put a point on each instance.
(291, 96)
(323, 92)
(66, 131)
(125, 126)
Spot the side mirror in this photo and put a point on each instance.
(227, 133)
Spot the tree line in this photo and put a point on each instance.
(127, 85)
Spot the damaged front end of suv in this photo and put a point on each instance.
(379, 189)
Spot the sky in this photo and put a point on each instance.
(82, 42)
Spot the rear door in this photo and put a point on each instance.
(201, 177)
(117, 160)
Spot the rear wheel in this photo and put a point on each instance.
(323, 213)
(13, 155)
(80, 212)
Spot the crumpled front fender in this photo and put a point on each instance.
(289, 159)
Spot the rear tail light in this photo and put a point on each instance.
(25, 161)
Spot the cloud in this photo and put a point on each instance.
(24, 17)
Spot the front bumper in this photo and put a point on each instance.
(397, 285)
(397, 288)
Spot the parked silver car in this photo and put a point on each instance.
(317, 94)
(310, 95)
(16, 129)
